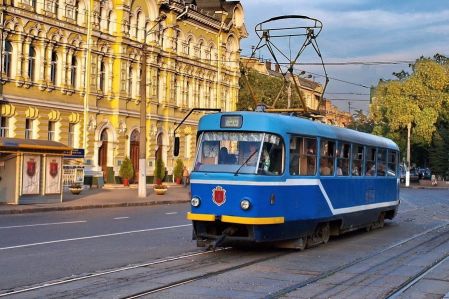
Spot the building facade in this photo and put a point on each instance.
(71, 69)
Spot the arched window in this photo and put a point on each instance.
(104, 135)
(138, 23)
(7, 54)
(56, 8)
(73, 67)
(53, 67)
(102, 76)
(34, 4)
(108, 21)
(76, 15)
(130, 83)
(31, 62)
(189, 45)
(211, 50)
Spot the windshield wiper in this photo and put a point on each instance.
(246, 161)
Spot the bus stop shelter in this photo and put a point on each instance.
(31, 171)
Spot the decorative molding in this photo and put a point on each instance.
(32, 113)
(8, 110)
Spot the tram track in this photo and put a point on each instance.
(360, 277)
(416, 278)
(68, 280)
(205, 270)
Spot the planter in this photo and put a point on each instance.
(178, 181)
(76, 191)
(160, 191)
(125, 182)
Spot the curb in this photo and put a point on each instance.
(93, 206)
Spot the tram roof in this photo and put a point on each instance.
(283, 124)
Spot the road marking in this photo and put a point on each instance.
(120, 218)
(95, 237)
(171, 213)
(42, 224)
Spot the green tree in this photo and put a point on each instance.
(421, 99)
(266, 89)
(179, 167)
(417, 100)
(361, 122)
(126, 169)
(159, 170)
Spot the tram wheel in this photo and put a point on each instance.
(321, 235)
(381, 220)
(325, 232)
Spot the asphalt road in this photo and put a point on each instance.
(46, 246)
(36, 248)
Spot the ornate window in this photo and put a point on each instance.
(51, 130)
(73, 67)
(31, 62)
(7, 54)
(53, 67)
(29, 128)
(71, 137)
(130, 83)
(3, 126)
(102, 77)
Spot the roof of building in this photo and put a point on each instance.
(32, 145)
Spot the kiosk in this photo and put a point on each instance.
(31, 171)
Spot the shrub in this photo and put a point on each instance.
(179, 167)
(126, 169)
(159, 169)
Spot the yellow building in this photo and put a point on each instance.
(70, 72)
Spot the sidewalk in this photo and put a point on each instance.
(107, 197)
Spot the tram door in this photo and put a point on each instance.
(103, 154)
(134, 153)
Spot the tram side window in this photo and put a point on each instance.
(295, 148)
(302, 156)
(357, 159)
(272, 158)
(327, 154)
(343, 159)
(381, 162)
(370, 161)
(392, 163)
(309, 156)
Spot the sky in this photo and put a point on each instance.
(356, 31)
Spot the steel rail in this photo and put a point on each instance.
(94, 275)
(328, 273)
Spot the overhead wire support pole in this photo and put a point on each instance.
(142, 186)
(87, 77)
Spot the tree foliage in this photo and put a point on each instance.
(418, 100)
(266, 88)
(421, 99)
(361, 122)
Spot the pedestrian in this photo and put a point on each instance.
(185, 176)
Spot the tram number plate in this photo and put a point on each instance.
(231, 121)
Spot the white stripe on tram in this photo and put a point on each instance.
(302, 182)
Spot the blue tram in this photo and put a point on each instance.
(293, 182)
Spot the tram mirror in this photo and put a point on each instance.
(176, 148)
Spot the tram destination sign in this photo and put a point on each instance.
(231, 121)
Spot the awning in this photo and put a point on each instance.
(16, 145)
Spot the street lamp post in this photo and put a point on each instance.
(142, 187)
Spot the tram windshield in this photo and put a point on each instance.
(240, 152)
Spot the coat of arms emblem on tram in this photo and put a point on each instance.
(54, 168)
(31, 167)
(219, 195)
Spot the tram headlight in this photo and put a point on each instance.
(195, 202)
(245, 204)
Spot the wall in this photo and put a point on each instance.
(8, 181)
